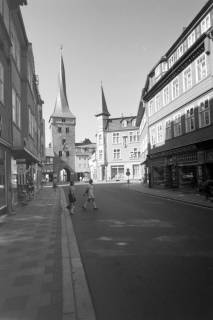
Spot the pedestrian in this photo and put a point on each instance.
(54, 183)
(90, 195)
(72, 197)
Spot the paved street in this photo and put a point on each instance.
(146, 257)
(31, 267)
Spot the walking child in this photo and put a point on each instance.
(90, 195)
(72, 197)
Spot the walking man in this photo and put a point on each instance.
(72, 197)
(90, 195)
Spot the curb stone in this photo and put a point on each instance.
(77, 302)
(174, 198)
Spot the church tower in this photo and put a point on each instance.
(102, 119)
(63, 132)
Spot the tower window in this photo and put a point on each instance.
(60, 153)
(59, 129)
(67, 130)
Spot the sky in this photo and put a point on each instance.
(116, 42)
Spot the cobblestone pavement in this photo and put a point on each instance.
(31, 266)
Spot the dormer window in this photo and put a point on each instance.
(191, 39)
(205, 24)
(164, 66)
(133, 122)
(180, 51)
(158, 71)
(124, 123)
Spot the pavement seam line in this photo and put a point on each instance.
(81, 293)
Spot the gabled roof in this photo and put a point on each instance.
(61, 109)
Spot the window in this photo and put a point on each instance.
(116, 138)
(59, 130)
(153, 136)
(100, 156)
(116, 154)
(125, 141)
(60, 153)
(67, 129)
(191, 39)
(67, 153)
(63, 120)
(1, 83)
(180, 51)
(100, 138)
(130, 137)
(166, 95)
(124, 123)
(171, 61)
(157, 71)
(135, 154)
(168, 129)
(175, 88)
(63, 141)
(16, 105)
(151, 107)
(16, 51)
(159, 133)
(133, 122)
(190, 119)
(157, 102)
(205, 24)
(201, 67)
(177, 125)
(136, 136)
(204, 114)
(187, 78)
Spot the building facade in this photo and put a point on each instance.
(118, 146)
(63, 132)
(178, 99)
(83, 152)
(21, 121)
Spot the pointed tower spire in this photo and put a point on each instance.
(105, 111)
(61, 105)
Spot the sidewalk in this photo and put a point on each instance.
(177, 195)
(41, 275)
